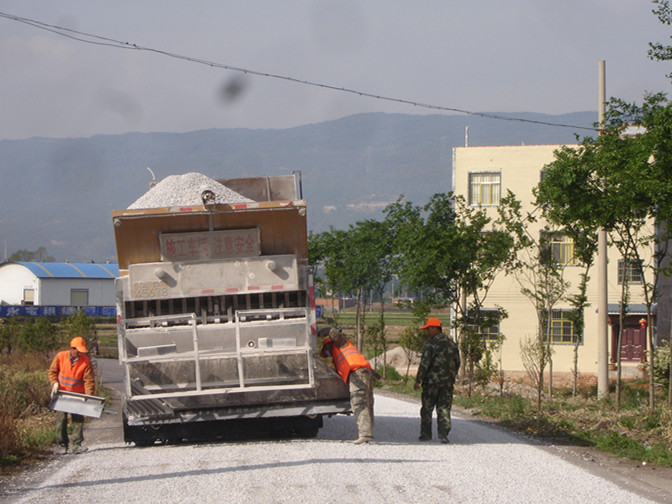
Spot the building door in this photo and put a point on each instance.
(633, 344)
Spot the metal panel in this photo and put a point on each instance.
(209, 245)
(79, 404)
(179, 280)
(171, 363)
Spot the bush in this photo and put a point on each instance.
(39, 335)
(661, 365)
(622, 446)
(390, 373)
(24, 396)
(80, 324)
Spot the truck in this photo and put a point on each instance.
(216, 323)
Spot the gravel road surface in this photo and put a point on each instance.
(482, 464)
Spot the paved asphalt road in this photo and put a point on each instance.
(483, 464)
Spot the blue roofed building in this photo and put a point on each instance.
(75, 285)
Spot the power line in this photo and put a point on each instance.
(109, 42)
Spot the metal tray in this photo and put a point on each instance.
(80, 404)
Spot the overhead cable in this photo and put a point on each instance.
(105, 41)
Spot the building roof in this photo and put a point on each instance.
(633, 309)
(72, 270)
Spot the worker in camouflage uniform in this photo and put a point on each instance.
(438, 369)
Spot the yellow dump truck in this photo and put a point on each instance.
(216, 320)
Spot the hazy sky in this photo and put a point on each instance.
(477, 55)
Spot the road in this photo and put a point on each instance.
(482, 464)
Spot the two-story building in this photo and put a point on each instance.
(483, 175)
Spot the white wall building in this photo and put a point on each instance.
(57, 284)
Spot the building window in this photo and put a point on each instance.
(562, 248)
(485, 188)
(487, 325)
(79, 297)
(631, 271)
(562, 327)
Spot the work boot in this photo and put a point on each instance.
(362, 440)
(444, 440)
(79, 449)
(424, 438)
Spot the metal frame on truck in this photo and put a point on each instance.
(216, 327)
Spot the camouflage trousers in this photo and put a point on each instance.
(440, 398)
(360, 382)
(62, 429)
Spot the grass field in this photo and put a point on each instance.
(392, 318)
(107, 340)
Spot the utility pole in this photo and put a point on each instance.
(602, 291)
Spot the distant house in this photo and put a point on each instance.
(41, 284)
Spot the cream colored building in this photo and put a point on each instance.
(484, 174)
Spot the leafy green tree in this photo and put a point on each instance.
(449, 252)
(39, 335)
(324, 254)
(657, 50)
(39, 255)
(80, 324)
(355, 260)
(620, 181)
(10, 332)
(376, 249)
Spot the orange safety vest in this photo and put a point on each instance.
(348, 359)
(71, 377)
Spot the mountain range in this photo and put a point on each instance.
(59, 193)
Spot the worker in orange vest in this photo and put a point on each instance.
(356, 371)
(71, 371)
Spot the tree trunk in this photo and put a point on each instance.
(358, 322)
(575, 371)
(619, 339)
(548, 349)
(383, 339)
(649, 332)
(669, 383)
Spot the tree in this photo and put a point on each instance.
(539, 274)
(39, 255)
(657, 50)
(620, 182)
(354, 261)
(80, 324)
(376, 249)
(38, 335)
(10, 333)
(449, 252)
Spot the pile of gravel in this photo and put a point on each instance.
(185, 190)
